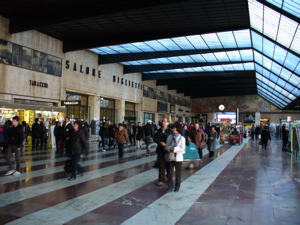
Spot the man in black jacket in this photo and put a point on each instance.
(67, 131)
(15, 140)
(148, 136)
(36, 134)
(160, 138)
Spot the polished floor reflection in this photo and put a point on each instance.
(243, 185)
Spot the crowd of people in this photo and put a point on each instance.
(73, 141)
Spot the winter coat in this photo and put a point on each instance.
(148, 130)
(198, 137)
(103, 132)
(212, 141)
(122, 136)
(180, 146)
(265, 136)
(139, 133)
(78, 142)
(161, 136)
(43, 133)
(36, 130)
(15, 136)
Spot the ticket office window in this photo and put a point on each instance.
(108, 110)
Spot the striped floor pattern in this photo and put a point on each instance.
(123, 191)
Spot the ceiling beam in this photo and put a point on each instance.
(219, 75)
(116, 58)
(100, 40)
(155, 67)
(219, 86)
(54, 12)
(192, 83)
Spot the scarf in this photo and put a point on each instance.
(174, 137)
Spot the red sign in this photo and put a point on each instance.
(226, 120)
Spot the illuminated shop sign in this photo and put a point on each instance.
(172, 108)
(70, 102)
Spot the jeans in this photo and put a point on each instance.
(9, 152)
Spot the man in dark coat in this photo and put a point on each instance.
(148, 136)
(284, 138)
(36, 134)
(15, 141)
(160, 138)
(67, 131)
(111, 133)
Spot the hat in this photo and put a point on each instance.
(149, 121)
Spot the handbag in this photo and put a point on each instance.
(149, 139)
(170, 156)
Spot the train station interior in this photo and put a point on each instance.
(229, 64)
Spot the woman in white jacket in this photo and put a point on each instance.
(175, 143)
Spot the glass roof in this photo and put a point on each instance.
(273, 42)
(290, 6)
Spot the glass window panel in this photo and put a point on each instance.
(243, 38)
(267, 63)
(256, 15)
(296, 42)
(197, 42)
(238, 66)
(164, 60)
(276, 68)
(234, 56)
(198, 58)
(227, 67)
(175, 60)
(210, 57)
(258, 58)
(279, 54)
(249, 66)
(198, 69)
(289, 87)
(285, 74)
(143, 62)
(212, 40)
(218, 68)
(221, 56)
(131, 48)
(258, 76)
(186, 59)
(183, 43)
(227, 39)
(156, 45)
(297, 69)
(207, 68)
(107, 50)
(143, 46)
(257, 41)
(273, 78)
(247, 55)
(281, 82)
(119, 49)
(287, 29)
(295, 80)
(291, 61)
(189, 70)
(154, 61)
(268, 48)
(169, 44)
(258, 68)
(271, 21)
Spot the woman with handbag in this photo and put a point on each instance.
(175, 144)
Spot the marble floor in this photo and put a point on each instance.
(243, 185)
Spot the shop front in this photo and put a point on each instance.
(28, 110)
(76, 106)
